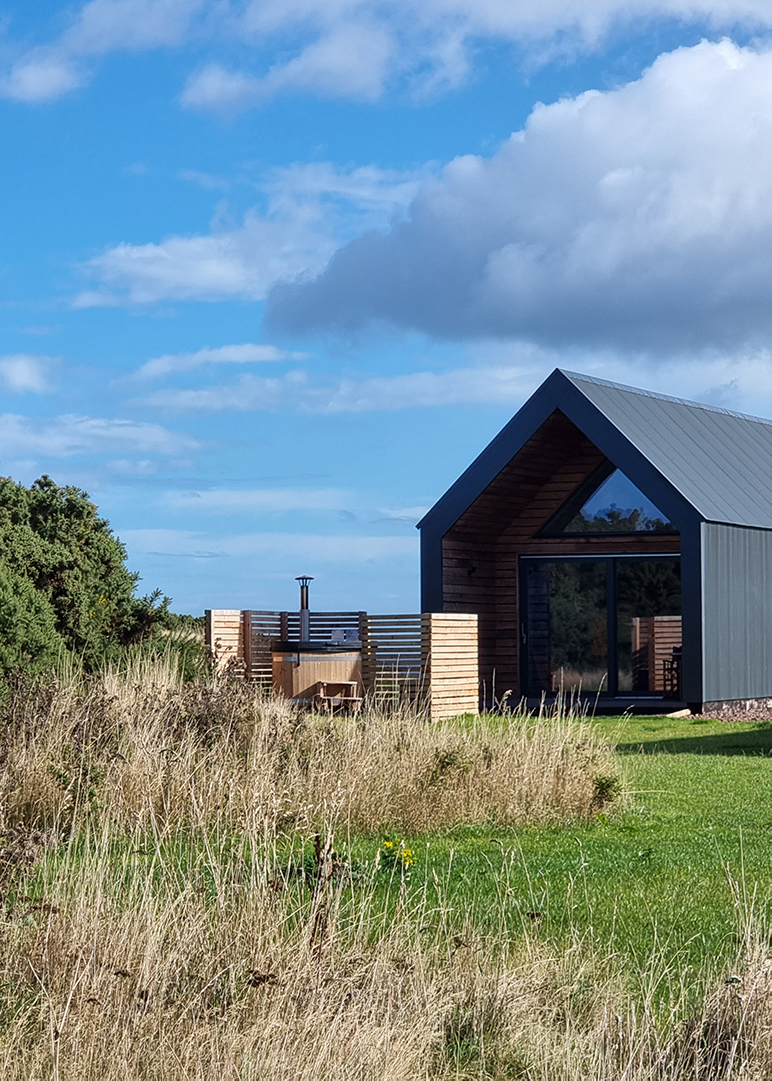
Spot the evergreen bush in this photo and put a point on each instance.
(64, 584)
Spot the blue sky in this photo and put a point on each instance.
(274, 271)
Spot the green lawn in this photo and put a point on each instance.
(654, 876)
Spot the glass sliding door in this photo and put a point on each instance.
(648, 595)
(567, 628)
(608, 625)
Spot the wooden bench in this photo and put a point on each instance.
(329, 693)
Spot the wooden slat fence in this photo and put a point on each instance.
(653, 640)
(391, 657)
(430, 658)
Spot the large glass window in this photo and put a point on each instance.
(649, 626)
(603, 625)
(567, 626)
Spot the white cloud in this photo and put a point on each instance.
(25, 372)
(316, 548)
(638, 218)
(133, 467)
(104, 25)
(100, 27)
(68, 435)
(405, 514)
(498, 374)
(247, 353)
(216, 88)
(309, 210)
(241, 263)
(40, 78)
(350, 61)
(204, 180)
(341, 48)
(260, 500)
(297, 392)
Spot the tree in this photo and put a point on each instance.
(53, 542)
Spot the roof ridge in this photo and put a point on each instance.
(582, 378)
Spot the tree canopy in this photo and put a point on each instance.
(64, 584)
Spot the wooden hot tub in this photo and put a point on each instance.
(318, 672)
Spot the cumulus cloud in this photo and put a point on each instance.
(70, 435)
(637, 218)
(260, 500)
(25, 372)
(318, 548)
(308, 210)
(241, 263)
(248, 353)
(340, 48)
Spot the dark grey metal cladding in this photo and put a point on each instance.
(720, 461)
(737, 612)
(691, 614)
(431, 572)
(681, 454)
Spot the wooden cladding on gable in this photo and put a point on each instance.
(480, 554)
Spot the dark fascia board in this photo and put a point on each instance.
(558, 392)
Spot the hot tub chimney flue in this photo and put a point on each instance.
(305, 625)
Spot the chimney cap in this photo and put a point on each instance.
(304, 579)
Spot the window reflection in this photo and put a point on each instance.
(567, 627)
(649, 621)
(567, 630)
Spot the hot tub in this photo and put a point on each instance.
(314, 671)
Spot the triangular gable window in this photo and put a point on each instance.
(608, 502)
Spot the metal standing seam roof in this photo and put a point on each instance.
(718, 460)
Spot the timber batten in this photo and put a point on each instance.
(427, 660)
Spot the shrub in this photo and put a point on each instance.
(64, 585)
(29, 638)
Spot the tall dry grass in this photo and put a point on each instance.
(138, 747)
(161, 916)
(193, 959)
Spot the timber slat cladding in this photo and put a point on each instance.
(450, 662)
(224, 636)
(430, 658)
(481, 553)
(654, 642)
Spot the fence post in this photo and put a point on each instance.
(368, 659)
(224, 635)
(246, 634)
(449, 663)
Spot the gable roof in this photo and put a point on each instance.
(689, 459)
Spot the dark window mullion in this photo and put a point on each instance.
(612, 628)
